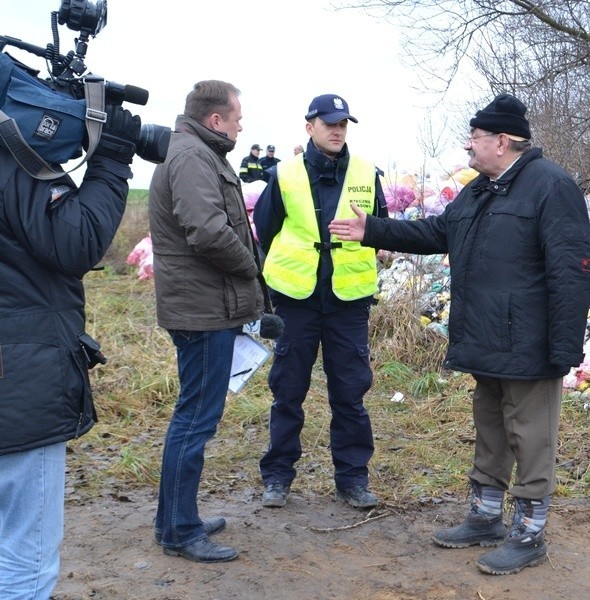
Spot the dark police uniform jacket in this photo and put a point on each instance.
(251, 169)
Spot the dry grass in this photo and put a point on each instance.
(423, 444)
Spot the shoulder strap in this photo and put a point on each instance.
(30, 161)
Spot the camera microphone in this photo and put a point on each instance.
(271, 326)
(118, 93)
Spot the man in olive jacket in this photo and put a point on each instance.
(206, 283)
(518, 240)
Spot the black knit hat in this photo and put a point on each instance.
(505, 114)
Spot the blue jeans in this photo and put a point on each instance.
(31, 521)
(204, 369)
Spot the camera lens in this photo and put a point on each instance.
(81, 15)
(153, 142)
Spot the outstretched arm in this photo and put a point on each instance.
(350, 230)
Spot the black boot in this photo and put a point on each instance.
(478, 528)
(522, 547)
(475, 529)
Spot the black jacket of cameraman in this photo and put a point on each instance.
(51, 234)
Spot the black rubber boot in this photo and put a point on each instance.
(522, 547)
(518, 551)
(476, 529)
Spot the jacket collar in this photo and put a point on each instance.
(502, 185)
(218, 142)
(324, 165)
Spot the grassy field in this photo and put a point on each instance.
(424, 444)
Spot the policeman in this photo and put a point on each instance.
(270, 160)
(323, 290)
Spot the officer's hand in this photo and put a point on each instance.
(120, 134)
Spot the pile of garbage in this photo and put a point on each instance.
(142, 257)
(410, 196)
(578, 379)
(428, 276)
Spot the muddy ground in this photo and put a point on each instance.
(315, 548)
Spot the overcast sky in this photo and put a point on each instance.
(280, 59)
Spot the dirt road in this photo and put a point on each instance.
(313, 549)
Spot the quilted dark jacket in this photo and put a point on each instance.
(519, 252)
(51, 234)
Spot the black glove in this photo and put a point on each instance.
(120, 134)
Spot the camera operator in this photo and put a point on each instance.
(51, 234)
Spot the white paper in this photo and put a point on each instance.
(249, 355)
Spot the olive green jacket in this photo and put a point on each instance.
(204, 267)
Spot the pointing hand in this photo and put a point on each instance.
(350, 229)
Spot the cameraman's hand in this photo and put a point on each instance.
(120, 134)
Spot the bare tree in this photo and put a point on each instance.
(539, 50)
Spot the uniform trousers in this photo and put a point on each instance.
(343, 336)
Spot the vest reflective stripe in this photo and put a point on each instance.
(292, 261)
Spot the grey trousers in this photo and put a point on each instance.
(517, 423)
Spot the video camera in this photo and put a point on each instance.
(66, 76)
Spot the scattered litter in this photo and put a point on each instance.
(397, 397)
(142, 256)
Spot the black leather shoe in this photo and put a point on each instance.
(204, 550)
(211, 526)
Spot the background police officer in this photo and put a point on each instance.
(250, 167)
(270, 160)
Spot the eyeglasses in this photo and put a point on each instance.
(472, 138)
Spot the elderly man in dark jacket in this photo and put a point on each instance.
(205, 274)
(51, 234)
(518, 240)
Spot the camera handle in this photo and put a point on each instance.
(30, 161)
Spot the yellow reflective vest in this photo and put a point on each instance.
(292, 261)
